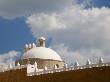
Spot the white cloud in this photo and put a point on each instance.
(80, 55)
(17, 8)
(68, 56)
(9, 57)
(50, 22)
(83, 31)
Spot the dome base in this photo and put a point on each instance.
(41, 63)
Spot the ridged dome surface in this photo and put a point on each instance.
(42, 53)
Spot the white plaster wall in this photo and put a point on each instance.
(30, 68)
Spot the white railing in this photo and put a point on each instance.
(67, 69)
(13, 68)
(55, 70)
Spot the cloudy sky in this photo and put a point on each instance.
(76, 29)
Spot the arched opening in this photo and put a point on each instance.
(57, 65)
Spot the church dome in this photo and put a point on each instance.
(41, 53)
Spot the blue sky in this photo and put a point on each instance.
(100, 3)
(96, 3)
(15, 32)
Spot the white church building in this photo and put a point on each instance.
(42, 56)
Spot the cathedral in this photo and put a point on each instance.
(41, 64)
(40, 55)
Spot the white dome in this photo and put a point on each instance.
(42, 53)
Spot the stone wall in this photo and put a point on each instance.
(96, 74)
(41, 63)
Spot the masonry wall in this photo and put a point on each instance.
(42, 63)
(96, 74)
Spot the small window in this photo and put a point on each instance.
(57, 65)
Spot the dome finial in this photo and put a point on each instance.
(30, 46)
(45, 68)
(18, 64)
(26, 48)
(76, 63)
(42, 42)
(100, 60)
(33, 45)
(88, 62)
(35, 63)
